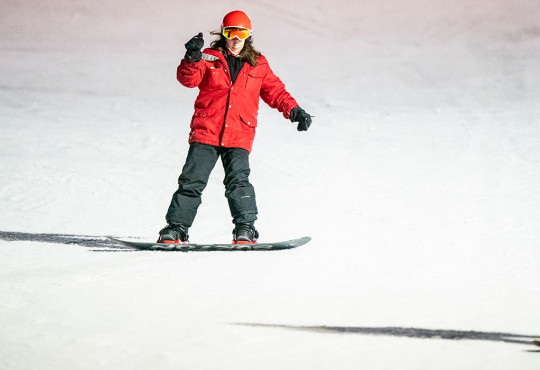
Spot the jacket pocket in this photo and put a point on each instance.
(206, 112)
(202, 117)
(254, 81)
(249, 121)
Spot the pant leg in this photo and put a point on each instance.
(238, 190)
(200, 162)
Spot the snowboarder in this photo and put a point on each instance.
(231, 76)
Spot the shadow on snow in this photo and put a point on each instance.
(413, 333)
(100, 244)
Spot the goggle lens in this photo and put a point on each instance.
(232, 32)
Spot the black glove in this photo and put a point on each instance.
(299, 115)
(193, 47)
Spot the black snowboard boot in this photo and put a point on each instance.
(174, 234)
(245, 234)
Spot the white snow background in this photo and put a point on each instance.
(418, 181)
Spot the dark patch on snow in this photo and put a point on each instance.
(414, 333)
(98, 243)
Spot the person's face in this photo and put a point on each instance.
(236, 45)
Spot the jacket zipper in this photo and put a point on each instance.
(226, 67)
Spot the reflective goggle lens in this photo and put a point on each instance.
(232, 32)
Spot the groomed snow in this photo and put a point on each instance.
(418, 182)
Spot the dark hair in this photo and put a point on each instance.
(248, 53)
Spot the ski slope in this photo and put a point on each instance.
(418, 182)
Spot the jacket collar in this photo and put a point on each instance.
(214, 54)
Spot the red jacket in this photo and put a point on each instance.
(226, 114)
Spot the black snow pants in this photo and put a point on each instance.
(200, 162)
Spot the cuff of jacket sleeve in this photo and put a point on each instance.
(287, 114)
(190, 58)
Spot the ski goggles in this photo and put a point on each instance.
(232, 32)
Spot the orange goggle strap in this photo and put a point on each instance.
(232, 32)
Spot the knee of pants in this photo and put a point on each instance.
(239, 179)
(191, 188)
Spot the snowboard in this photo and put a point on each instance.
(196, 247)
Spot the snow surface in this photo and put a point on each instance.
(418, 181)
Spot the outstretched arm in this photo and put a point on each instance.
(274, 94)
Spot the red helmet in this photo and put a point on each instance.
(238, 19)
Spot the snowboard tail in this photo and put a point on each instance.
(194, 247)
